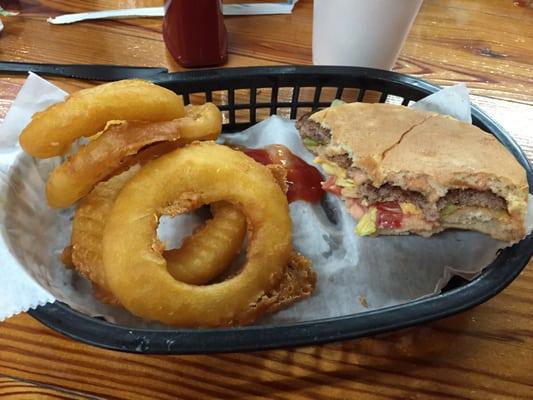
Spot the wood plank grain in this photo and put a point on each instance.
(461, 44)
(11, 388)
(451, 41)
(483, 353)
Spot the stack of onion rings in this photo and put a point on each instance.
(116, 215)
(121, 140)
(201, 173)
(201, 258)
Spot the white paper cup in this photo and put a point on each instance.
(365, 33)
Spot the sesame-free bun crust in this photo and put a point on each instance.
(424, 152)
(443, 153)
(366, 131)
(491, 222)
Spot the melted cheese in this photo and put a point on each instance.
(410, 208)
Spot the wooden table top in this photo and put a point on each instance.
(485, 353)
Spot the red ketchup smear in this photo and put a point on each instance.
(390, 214)
(304, 180)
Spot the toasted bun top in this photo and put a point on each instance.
(365, 131)
(424, 152)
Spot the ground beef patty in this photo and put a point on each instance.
(394, 193)
(460, 197)
(470, 197)
(312, 130)
(342, 160)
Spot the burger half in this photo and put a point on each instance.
(401, 171)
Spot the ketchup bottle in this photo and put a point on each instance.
(194, 32)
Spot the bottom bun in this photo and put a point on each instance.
(496, 223)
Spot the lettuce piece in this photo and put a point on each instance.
(367, 225)
(448, 209)
(311, 142)
(344, 182)
(332, 169)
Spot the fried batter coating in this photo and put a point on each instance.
(84, 113)
(210, 250)
(202, 256)
(137, 272)
(298, 283)
(119, 144)
(200, 259)
(88, 227)
(94, 162)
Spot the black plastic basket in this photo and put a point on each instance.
(246, 95)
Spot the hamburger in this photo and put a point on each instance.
(402, 171)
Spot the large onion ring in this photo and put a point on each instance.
(202, 256)
(202, 173)
(97, 160)
(84, 113)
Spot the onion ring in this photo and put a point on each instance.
(201, 258)
(85, 250)
(84, 113)
(201, 122)
(97, 160)
(210, 250)
(201, 173)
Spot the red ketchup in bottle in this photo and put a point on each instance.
(304, 180)
(194, 32)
